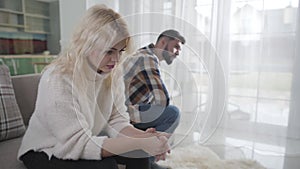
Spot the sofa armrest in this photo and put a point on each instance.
(25, 88)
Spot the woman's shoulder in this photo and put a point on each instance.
(54, 75)
(55, 84)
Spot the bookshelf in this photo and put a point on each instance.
(29, 18)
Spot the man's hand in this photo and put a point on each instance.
(162, 136)
(158, 133)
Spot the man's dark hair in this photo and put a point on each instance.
(171, 34)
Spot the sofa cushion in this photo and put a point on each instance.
(26, 87)
(11, 122)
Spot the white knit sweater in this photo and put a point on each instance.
(66, 124)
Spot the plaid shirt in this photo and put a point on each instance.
(143, 83)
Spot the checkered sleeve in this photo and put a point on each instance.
(150, 76)
(145, 85)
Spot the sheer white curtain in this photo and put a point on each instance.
(240, 64)
(255, 44)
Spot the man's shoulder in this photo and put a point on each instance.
(140, 57)
(143, 53)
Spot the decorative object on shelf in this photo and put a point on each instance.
(22, 43)
(26, 64)
(29, 18)
(24, 16)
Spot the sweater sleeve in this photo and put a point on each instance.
(119, 118)
(66, 121)
(150, 76)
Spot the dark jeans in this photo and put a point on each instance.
(161, 118)
(40, 160)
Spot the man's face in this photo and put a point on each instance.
(171, 50)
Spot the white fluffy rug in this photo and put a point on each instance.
(200, 157)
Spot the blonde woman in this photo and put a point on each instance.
(80, 97)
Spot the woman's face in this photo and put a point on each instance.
(112, 56)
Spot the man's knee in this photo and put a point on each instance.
(173, 111)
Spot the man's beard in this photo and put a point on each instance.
(166, 56)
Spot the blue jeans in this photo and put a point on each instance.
(161, 118)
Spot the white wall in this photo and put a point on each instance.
(54, 37)
(294, 125)
(114, 4)
(70, 14)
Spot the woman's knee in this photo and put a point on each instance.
(109, 162)
(139, 163)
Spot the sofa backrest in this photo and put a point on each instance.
(25, 88)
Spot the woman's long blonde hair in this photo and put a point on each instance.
(100, 29)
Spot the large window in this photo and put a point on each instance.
(262, 36)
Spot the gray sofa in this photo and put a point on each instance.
(25, 88)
